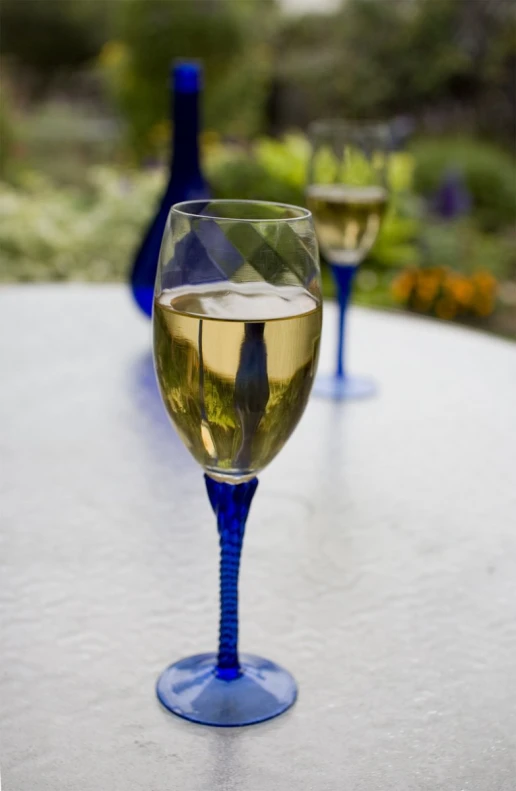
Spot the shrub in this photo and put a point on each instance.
(462, 246)
(489, 174)
(440, 292)
(6, 135)
(237, 173)
(151, 34)
(49, 233)
(50, 37)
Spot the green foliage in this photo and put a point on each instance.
(378, 58)
(63, 141)
(153, 33)
(370, 58)
(489, 174)
(439, 62)
(276, 170)
(267, 170)
(49, 233)
(285, 159)
(6, 135)
(50, 35)
(242, 175)
(461, 246)
(397, 243)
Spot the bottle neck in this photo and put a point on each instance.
(185, 149)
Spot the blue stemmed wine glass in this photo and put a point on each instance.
(347, 195)
(237, 324)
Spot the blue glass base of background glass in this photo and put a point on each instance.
(346, 388)
(194, 689)
(340, 386)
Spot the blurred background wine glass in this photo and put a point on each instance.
(85, 132)
(347, 195)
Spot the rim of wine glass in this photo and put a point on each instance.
(351, 124)
(303, 214)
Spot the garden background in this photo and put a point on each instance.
(85, 132)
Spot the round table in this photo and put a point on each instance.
(379, 564)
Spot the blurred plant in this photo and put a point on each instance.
(287, 159)
(6, 134)
(462, 246)
(448, 295)
(276, 170)
(56, 233)
(438, 60)
(51, 36)
(452, 199)
(489, 175)
(230, 39)
(89, 231)
(461, 263)
(461, 272)
(268, 169)
(397, 243)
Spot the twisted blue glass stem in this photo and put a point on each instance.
(231, 504)
(344, 276)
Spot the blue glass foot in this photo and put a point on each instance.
(192, 689)
(344, 388)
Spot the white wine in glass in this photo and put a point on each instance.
(237, 323)
(237, 382)
(347, 219)
(347, 195)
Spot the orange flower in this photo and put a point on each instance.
(428, 285)
(446, 293)
(459, 288)
(421, 305)
(402, 285)
(484, 281)
(483, 304)
(446, 308)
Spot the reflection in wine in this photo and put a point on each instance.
(235, 364)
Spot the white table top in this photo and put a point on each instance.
(379, 565)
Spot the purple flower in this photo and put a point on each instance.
(452, 199)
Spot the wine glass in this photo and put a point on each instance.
(347, 195)
(237, 324)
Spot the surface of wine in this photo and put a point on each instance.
(347, 219)
(235, 364)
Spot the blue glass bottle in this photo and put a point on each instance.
(186, 181)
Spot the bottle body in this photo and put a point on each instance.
(186, 181)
